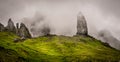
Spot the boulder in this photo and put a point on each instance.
(23, 31)
(2, 28)
(11, 27)
(81, 25)
(17, 40)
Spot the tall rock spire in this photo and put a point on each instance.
(17, 29)
(81, 25)
(11, 27)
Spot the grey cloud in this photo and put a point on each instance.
(60, 15)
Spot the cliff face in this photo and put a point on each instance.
(2, 28)
(23, 31)
(81, 25)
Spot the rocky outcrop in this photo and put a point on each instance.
(81, 25)
(23, 31)
(2, 28)
(11, 27)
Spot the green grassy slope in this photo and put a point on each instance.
(55, 49)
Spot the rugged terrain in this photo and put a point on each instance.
(55, 49)
(17, 45)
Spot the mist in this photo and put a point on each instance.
(61, 15)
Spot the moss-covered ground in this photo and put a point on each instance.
(55, 49)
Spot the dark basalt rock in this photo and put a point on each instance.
(81, 25)
(2, 28)
(17, 29)
(23, 31)
(11, 27)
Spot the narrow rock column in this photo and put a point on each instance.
(17, 29)
(81, 25)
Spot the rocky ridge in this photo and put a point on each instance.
(21, 31)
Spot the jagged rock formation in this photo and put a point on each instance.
(81, 25)
(2, 28)
(23, 31)
(11, 27)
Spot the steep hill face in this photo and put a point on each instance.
(107, 37)
(55, 49)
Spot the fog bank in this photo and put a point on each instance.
(61, 15)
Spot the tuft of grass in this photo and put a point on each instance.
(55, 49)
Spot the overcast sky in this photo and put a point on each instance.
(61, 15)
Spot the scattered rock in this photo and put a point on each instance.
(17, 40)
(81, 25)
(22, 38)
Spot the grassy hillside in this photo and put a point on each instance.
(55, 49)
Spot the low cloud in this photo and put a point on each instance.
(61, 15)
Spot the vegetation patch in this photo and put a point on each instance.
(55, 49)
